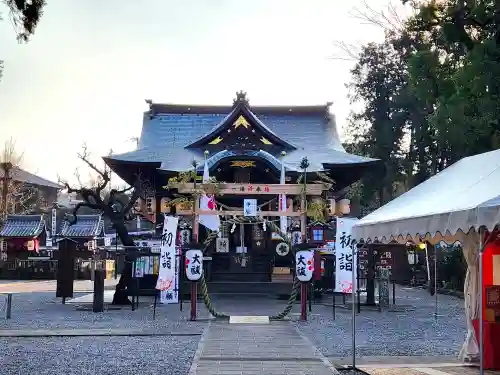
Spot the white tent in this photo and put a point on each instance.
(450, 206)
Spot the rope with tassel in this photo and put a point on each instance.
(203, 284)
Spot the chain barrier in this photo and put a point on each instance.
(203, 284)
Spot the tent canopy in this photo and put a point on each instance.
(462, 197)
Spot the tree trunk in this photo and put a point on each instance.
(122, 288)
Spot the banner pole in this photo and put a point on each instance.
(353, 294)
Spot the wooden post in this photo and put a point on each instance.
(303, 301)
(196, 206)
(194, 294)
(303, 219)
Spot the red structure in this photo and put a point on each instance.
(491, 305)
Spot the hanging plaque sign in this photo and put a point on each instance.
(185, 235)
(222, 245)
(250, 207)
(53, 223)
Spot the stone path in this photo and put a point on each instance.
(458, 370)
(244, 349)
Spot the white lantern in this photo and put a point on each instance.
(344, 206)
(304, 265)
(194, 264)
(30, 245)
(165, 205)
(411, 257)
(332, 206)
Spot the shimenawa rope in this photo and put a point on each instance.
(203, 284)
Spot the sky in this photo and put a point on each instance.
(86, 72)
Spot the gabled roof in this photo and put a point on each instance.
(240, 110)
(23, 226)
(20, 175)
(86, 226)
(168, 129)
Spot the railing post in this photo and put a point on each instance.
(8, 309)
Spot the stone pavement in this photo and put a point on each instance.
(446, 370)
(244, 349)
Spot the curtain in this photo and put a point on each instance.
(470, 243)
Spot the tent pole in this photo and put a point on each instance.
(435, 284)
(481, 333)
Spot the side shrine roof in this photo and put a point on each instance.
(20, 175)
(172, 133)
(23, 226)
(86, 226)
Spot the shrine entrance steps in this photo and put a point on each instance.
(249, 349)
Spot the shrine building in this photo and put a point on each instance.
(245, 147)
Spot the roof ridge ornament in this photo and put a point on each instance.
(241, 98)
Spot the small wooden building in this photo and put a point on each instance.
(22, 235)
(88, 233)
(21, 239)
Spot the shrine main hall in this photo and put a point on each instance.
(244, 147)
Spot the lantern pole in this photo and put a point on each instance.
(303, 301)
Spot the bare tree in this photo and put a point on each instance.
(16, 196)
(24, 16)
(391, 19)
(116, 204)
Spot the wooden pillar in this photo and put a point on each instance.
(196, 207)
(158, 215)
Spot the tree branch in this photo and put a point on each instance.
(102, 175)
(73, 216)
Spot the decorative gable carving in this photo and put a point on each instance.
(242, 130)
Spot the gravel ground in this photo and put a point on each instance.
(411, 333)
(170, 355)
(97, 355)
(377, 334)
(42, 310)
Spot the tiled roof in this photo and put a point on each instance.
(313, 133)
(18, 174)
(25, 226)
(85, 226)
